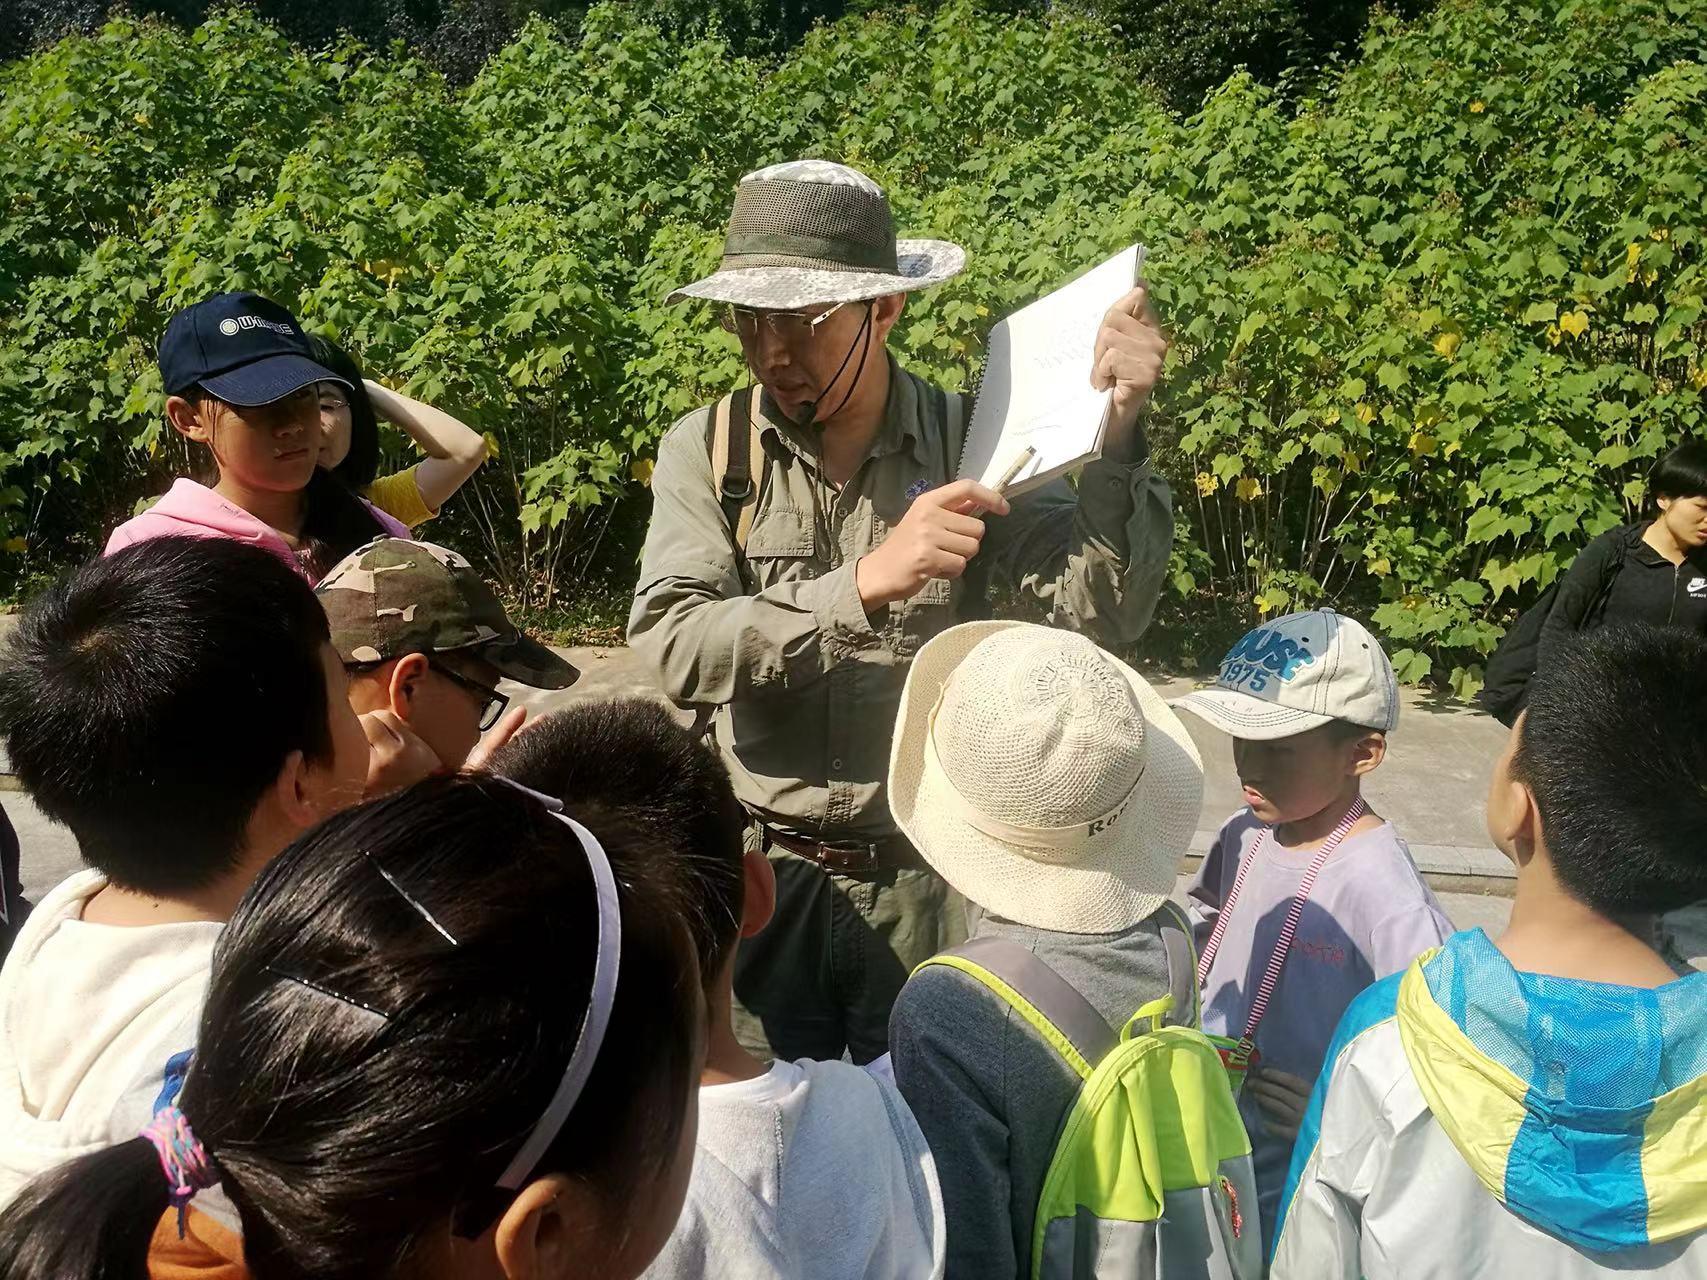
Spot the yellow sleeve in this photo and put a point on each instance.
(400, 498)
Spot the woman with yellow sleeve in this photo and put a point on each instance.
(349, 446)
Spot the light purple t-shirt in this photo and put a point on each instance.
(1369, 915)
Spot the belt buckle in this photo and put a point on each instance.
(853, 855)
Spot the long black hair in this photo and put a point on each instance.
(361, 464)
(361, 1082)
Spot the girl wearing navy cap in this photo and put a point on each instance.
(241, 379)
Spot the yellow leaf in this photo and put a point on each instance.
(1249, 488)
(1422, 444)
(1381, 567)
(1553, 334)
(1660, 233)
(1698, 378)
(491, 444)
(1574, 323)
(141, 119)
(1207, 483)
(641, 470)
(1650, 275)
(1446, 344)
(1365, 413)
(1451, 447)
(1331, 417)
(15, 545)
(1477, 107)
(1632, 253)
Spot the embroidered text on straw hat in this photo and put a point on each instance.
(811, 232)
(1297, 673)
(1042, 777)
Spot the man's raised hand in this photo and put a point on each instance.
(935, 539)
(1130, 351)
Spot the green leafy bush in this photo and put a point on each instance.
(1432, 321)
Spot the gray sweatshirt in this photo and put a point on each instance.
(990, 1094)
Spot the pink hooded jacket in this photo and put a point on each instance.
(195, 511)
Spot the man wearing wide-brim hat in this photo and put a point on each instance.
(809, 536)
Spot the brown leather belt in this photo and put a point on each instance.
(849, 857)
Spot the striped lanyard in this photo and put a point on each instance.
(1294, 913)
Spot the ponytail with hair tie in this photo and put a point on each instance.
(183, 1159)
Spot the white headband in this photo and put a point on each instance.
(592, 1033)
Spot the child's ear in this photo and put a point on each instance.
(406, 677)
(759, 901)
(542, 1234)
(298, 792)
(184, 419)
(1514, 821)
(1367, 753)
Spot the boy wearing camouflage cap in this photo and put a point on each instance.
(425, 640)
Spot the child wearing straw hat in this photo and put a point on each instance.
(1046, 782)
(1307, 895)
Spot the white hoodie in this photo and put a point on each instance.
(90, 1014)
(812, 1171)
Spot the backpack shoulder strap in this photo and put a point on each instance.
(735, 442)
(1038, 994)
(1175, 928)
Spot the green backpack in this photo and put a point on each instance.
(1151, 1175)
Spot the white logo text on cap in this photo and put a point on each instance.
(232, 325)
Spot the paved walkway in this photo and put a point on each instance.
(1432, 786)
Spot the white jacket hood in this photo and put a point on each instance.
(90, 1015)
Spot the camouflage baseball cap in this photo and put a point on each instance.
(394, 597)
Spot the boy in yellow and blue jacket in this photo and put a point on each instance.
(1534, 1104)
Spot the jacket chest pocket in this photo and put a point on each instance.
(922, 615)
(782, 547)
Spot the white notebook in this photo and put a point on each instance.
(1036, 388)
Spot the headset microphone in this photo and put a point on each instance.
(809, 410)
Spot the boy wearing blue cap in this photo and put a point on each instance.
(1307, 895)
(240, 378)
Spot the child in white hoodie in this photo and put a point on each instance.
(178, 706)
(802, 1168)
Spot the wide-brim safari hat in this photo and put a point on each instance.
(1042, 777)
(811, 232)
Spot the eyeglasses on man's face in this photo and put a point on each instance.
(789, 326)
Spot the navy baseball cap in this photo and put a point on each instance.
(241, 347)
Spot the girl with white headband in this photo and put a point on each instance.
(449, 1034)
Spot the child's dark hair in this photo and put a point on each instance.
(361, 463)
(361, 1082)
(1614, 748)
(149, 698)
(335, 521)
(632, 756)
(1682, 473)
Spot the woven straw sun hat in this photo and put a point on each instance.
(811, 232)
(1042, 777)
